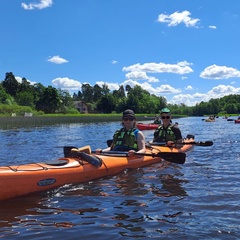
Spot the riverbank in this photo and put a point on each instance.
(36, 121)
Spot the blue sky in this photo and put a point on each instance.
(185, 50)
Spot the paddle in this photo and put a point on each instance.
(202, 144)
(174, 157)
(74, 152)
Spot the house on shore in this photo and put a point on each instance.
(81, 106)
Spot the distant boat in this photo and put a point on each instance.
(147, 126)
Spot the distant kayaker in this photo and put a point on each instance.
(157, 120)
(167, 132)
(128, 138)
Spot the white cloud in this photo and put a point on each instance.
(189, 87)
(111, 86)
(19, 79)
(114, 62)
(176, 18)
(57, 60)
(179, 68)
(174, 96)
(219, 72)
(136, 75)
(165, 88)
(216, 92)
(223, 90)
(140, 76)
(187, 99)
(67, 84)
(213, 27)
(152, 79)
(158, 91)
(41, 5)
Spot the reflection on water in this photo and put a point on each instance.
(197, 200)
(37, 212)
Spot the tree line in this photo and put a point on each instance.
(40, 99)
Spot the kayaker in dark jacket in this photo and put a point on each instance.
(167, 132)
(157, 120)
(128, 138)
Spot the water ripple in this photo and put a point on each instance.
(197, 200)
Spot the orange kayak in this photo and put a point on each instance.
(20, 180)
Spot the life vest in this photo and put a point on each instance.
(125, 140)
(165, 134)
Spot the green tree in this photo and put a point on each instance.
(78, 96)
(4, 97)
(50, 100)
(25, 99)
(25, 86)
(97, 92)
(87, 92)
(137, 98)
(128, 88)
(66, 101)
(10, 84)
(120, 93)
(106, 104)
(105, 90)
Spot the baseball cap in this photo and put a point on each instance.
(128, 113)
(165, 110)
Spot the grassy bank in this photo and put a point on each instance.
(37, 121)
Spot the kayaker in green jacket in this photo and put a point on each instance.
(128, 138)
(167, 132)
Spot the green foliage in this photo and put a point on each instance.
(10, 84)
(25, 99)
(229, 104)
(39, 99)
(9, 110)
(68, 110)
(4, 97)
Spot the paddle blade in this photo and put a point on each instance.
(174, 157)
(67, 151)
(202, 144)
(74, 152)
(205, 144)
(95, 161)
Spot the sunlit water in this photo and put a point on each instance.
(197, 200)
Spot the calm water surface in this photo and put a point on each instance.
(197, 200)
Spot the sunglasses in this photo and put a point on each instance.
(128, 118)
(167, 117)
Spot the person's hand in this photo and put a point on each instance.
(171, 144)
(131, 153)
(99, 150)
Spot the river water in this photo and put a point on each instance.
(197, 200)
